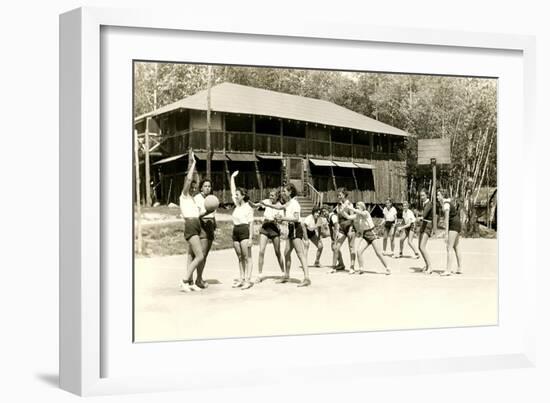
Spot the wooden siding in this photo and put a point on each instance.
(184, 129)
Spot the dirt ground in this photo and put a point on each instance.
(338, 302)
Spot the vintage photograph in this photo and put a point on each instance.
(280, 201)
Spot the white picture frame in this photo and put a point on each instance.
(85, 343)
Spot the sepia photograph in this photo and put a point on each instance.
(272, 201)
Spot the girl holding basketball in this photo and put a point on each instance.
(452, 231)
(208, 228)
(295, 235)
(426, 226)
(191, 213)
(243, 222)
(345, 230)
(270, 231)
(365, 228)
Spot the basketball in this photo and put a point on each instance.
(211, 203)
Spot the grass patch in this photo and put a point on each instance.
(168, 239)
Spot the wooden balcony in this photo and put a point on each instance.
(247, 142)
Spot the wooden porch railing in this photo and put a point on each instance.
(315, 195)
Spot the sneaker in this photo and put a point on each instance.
(184, 286)
(282, 280)
(388, 271)
(195, 287)
(316, 264)
(246, 285)
(201, 284)
(238, 284)
(305, 283)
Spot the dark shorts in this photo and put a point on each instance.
(192, 228)
(369, 236)
(389, 224)
(426, 228)
(270, 230)
(295, 230)
(345, 226)
(311, 234)
(208, 227)
(241, 232)
(455, 225)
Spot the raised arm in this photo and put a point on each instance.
(361, 213)
(234, 187)
(446, 209)
(190, 173)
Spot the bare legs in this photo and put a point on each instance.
(298, 245)
(244, 254)
(422, 243)
(363, 245)
(276, 247)
(452, 248)
(351, 244)
(195, 258)
(206, 244)
(318, 242)
(389, 232)
(409, 239)
(336, 253)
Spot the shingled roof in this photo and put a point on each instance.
(235, 98)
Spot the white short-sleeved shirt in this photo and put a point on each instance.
(188, 207)
(310, 222)
(391, 214)
(364, 222)
(199, 199)
(270, 213)
(292, 207)
(243, 214)
(408, 217)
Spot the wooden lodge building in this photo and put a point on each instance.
(273, 138)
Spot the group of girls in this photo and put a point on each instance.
(200, 227)
(344, 223)
(452, 230)
(351, 223)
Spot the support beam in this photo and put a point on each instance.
(208, 124)
(333, 178)
(354, 179)
(259, 179)
(147, 165)
(138, 196)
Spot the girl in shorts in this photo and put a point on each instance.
(191, 213)
(390, 217)
(295, 235)
(345, 230)
(365, 229)
(452, 231)
(425, 230)
(332, 221)
(208, 229)
(312, 224)
(243, 222)
(270, 231)
(407, 230)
